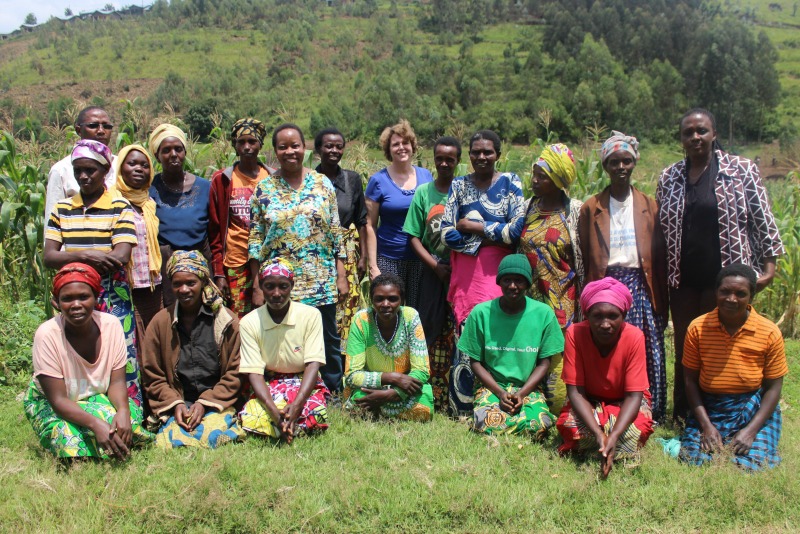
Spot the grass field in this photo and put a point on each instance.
(397, 477)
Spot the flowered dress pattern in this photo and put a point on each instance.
(68, 440)
(533, 418)
(369, 355)
(351, 304)
(301, 226)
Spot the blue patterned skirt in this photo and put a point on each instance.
(117, 300)
(729, 414)
(642, 316)
(462, 381)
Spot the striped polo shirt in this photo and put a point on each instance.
(106, 223)
(738, 363)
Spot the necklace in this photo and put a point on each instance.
(396, 325)
(178, 191)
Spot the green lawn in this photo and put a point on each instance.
(402, 477)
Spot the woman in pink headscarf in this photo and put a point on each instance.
(605, 370)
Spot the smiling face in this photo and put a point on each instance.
(733, 297)
(90, 176)
(541, 184)
(619, 166)
(446, 160)
(386, 300)
(95, 125)
(289, 149)
(483, 156)
(697, 135)
(247, 146)
(277, 291)
(401, 150)
(331, 149)
(605, 323)
(76, 302)
(513, 287)
(188, 289)
(135, 170)
(171, 155)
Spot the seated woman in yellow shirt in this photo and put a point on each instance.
(282, 351)
(734, 363)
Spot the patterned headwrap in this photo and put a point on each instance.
(277, 267)
(140, 198)
(87, 148)
(163, 131)
(77, 272)
(192, 261)
(619, 141)
(248, 126)
(606, 290)
(558, 164)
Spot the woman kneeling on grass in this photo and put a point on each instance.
(282, 352)
(605, 370)
(387, 367)
(510, 341)
(77, 401)
(734, 363)
(190, 361)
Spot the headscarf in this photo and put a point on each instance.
(277, 267)
(248, 126)
(192, 261)
(140, 198)
(163, 131)
(90, 149)
(619, 141)
(77, 272)
(608, 290)
(558, 164)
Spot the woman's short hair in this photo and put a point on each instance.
(404, 130)
(698, 111)
(387, 279)
(287, 126)
(323, 133)
(488, 135)
(448, 141)
(738, 269)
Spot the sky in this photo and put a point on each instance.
(13, 12)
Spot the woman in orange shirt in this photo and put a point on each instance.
(734, 363)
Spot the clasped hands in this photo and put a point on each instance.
(375, 398)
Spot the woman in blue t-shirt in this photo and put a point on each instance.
(388, 197)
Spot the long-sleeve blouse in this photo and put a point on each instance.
(369, 355)
(301, 226)
(500, 208)
(747, 230)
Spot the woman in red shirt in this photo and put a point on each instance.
(605, 370)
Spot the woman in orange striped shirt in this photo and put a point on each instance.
(734, 363)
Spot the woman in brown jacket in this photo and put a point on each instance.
(620, 237)
(190, 361)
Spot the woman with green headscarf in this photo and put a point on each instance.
(550, 241)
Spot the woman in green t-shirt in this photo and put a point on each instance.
(510, 341)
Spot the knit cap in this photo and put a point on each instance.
(515, 264)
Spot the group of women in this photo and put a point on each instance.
(532, 313)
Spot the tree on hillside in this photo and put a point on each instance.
(108, 7)
(68, 12)
(30, 18)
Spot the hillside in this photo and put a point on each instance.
(448, 66)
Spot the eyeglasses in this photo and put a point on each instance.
(96, 125)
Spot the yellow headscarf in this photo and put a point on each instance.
(140, 198)
(558, 164)
(163, 131)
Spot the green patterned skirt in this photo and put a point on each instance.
(533, 418)
(68, 440)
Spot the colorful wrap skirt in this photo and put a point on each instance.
(241, 285)
(729, 414)
(284, 388)
(116, 299)
(533, 418)
(68, 440)
(578, 438)
(652, 326)
(349, 306)
(555, 391)
(215, 429)
(461, 386)
(417, 407)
